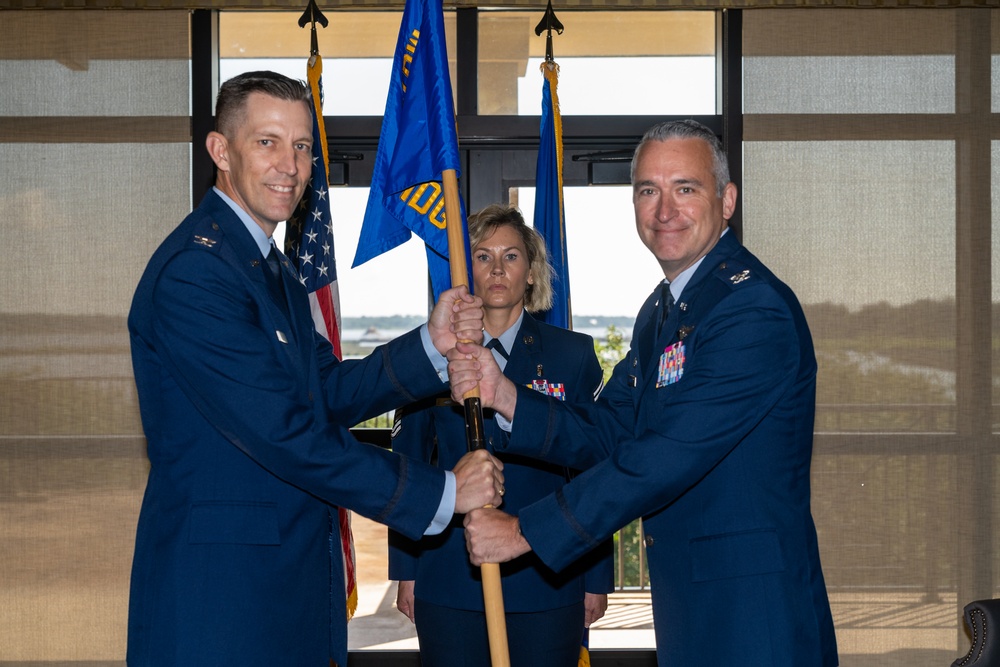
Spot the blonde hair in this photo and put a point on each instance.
(538, 295)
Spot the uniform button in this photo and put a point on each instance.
(310, 396)
(649, 540)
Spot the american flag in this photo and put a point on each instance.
(309, 237)
(309, 245)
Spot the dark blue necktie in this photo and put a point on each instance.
(272, 262)
(666, 303)
(495, 344)
(276, 284)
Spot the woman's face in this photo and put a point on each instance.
(500, 269)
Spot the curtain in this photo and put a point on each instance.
(94, 172)
(870, 186)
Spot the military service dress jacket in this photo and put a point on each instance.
(706, 432)
(244, 408)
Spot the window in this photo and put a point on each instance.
(95, 171)
(608, 63)
(866, 189)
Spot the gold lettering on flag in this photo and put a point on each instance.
(431, 208)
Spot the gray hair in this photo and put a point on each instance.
(688, 129)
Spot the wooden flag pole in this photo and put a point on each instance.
(496, 621)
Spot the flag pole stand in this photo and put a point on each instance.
(496, 621)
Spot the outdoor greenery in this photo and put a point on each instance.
(629, 570)
(611, 350)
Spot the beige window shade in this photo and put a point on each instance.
(867, 181)
(94, 172)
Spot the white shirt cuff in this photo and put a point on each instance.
(502, 422)
(439, 361)
(446, 509)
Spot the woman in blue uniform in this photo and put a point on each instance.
(439, 589)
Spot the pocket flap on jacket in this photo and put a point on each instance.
(736, 555)
(234, 523)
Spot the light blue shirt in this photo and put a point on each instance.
(678, 284)
(262, 240)
(681, 281)
(446, 508)
(507, 339)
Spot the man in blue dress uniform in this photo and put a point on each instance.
(704, 430)
(246, 409)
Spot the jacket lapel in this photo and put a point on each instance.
(525, 353)
(300, 306)
(725, 248)
(242, 253)
(645, 327)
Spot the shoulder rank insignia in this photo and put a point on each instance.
(740, 277)
(553, 389)
(204, 240)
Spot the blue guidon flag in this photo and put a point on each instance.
(417, 143)
(549, 217)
